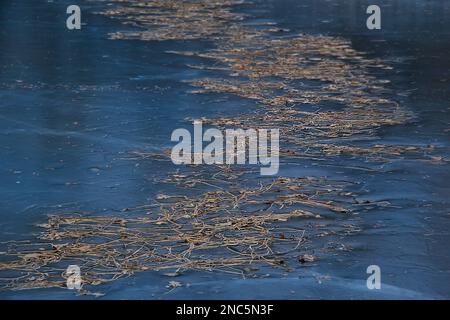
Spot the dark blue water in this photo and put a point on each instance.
(73, 104)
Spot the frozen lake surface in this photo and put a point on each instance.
(73, 105)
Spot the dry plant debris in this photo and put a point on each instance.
(281, 71)
(223, 230)
(174, 20)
